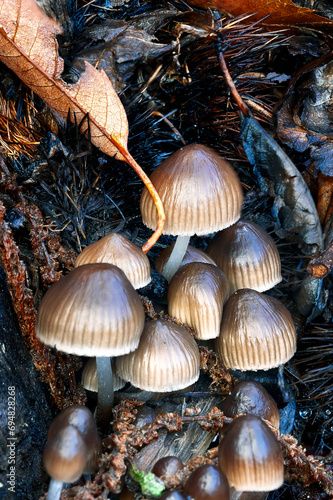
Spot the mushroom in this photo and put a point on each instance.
(192, 254)
(207, 482)
(247, 255)
(65, 457)
(250, 397)
(167, 359)
(83, 420)
(257, 332)
(200, 193)
(196, 296)
(93, 311)
(173, 495)
(250, 455)
(167, 466)
(90, 381)
(116, 249)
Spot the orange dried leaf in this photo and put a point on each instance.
(29, 47)
(279, 12)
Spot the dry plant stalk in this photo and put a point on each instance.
(28, 46)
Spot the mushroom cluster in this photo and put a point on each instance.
(95, 311)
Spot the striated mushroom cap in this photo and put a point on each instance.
(89, 377)
(116, 249)
(257, 332)
(247, 255)
(167, 359)
(250, 455)
(200, 192)
(196, 296)
(92, 311)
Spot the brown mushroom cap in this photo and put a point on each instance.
(65, 455)
(116, 249)
(196, 296)
(83, 420)
(167, 359)
(167, 466)
(92, 311)
(89, 377)
(250, 397)
(248, 256)
(207, 482)
(250, 455)
(257, 332)
(200, 192)
(192, 254)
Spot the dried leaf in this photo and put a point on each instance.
(279, 12)
(294, 207)
(29, 47)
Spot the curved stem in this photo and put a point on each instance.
(54, 490)
(105, 395)
(149, 185)
(176, 257)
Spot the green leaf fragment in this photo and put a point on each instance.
(150, 484)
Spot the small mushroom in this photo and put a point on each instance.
(257, 332)
(200, 192)
(167, 466)
(93, 311)
(118, 250)
(83, 420)
(207, 482)
(247, 255)
(196, 296)
(167, 359)
(65, 457)
(89, 377)
(250, 455)
(250, 397)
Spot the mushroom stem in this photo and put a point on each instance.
(105, 392)
(54, 490)
(176, 257)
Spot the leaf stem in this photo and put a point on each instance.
(229, 81)
(151, 188)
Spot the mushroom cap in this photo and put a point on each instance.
(65, 455)
(116, 249)
(257, 332)
(92, 311)
(83, 420)
(167, 466)
(248, 256)
(196, 296)
(192, 254)
(250, 397)
(250, 455)
(90, 381)
(167, 359)
(207, 482)
(200, 192)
